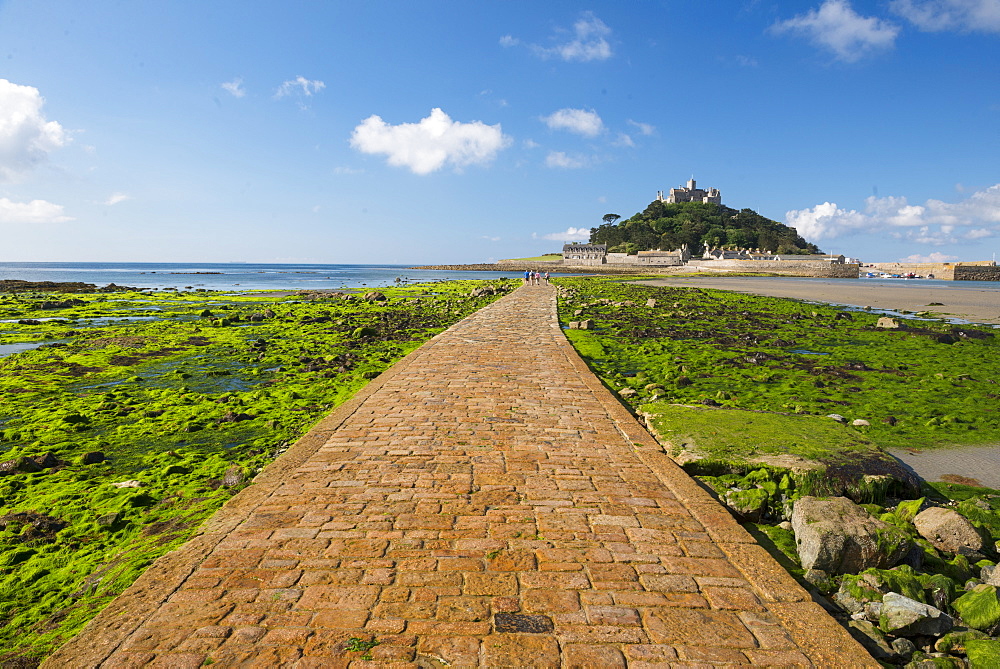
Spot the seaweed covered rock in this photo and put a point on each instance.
(947, 530)
(903, 616)
(748, 505)
(983, 653)
(22, 465)
(234, 476)
(839, 537)
(92, 458)
(980, 608)
(957, 641)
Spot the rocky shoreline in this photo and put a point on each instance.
(21, 286)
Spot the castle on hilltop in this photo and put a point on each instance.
(691, 193)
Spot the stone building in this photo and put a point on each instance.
(691, 193)
(584, 254)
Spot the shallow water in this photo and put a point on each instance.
(226, 276)
(11, 349)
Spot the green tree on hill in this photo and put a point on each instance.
(667, 226)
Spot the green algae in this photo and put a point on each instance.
(983, 653)
(979, 607)
(754, 353)
(182, 406)
(737, 379)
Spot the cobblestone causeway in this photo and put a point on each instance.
(485, 502)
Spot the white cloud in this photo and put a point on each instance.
(746, 61)
(570, 235)
(931, 257)
(580, 121)
(115, 198)
(234, 87)
(300, 85)
(36, 211)
(825, 221)
(623, 140)
(560, 159)
(926, 235)
(962, 15)
(347, 170)
(588, 42)
(432, 143)
(980, 233)
(490, 238)
(934, 222)
(837, 27)
(26, 138)
(643, 128)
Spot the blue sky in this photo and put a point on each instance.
(439, 132)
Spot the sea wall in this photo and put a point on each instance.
(783, 267)
(965, 272)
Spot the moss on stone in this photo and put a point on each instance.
(983, 653)
(979, 607)
(955, 642)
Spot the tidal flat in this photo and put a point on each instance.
(129, 417)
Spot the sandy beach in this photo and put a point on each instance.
(971, 301)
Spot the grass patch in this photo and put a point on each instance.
(931, 385)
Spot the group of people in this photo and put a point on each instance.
(535, 278)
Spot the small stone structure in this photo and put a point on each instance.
(597, 254)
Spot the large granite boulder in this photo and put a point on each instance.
(947, 530)
(839, 537)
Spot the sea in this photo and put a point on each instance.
(234, 276)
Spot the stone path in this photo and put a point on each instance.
(485, 502)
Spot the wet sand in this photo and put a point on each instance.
(968, 465)
(971, 301)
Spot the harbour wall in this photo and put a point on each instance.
(784, 267)
(984, 270)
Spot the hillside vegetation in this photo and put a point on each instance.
(668, 226)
